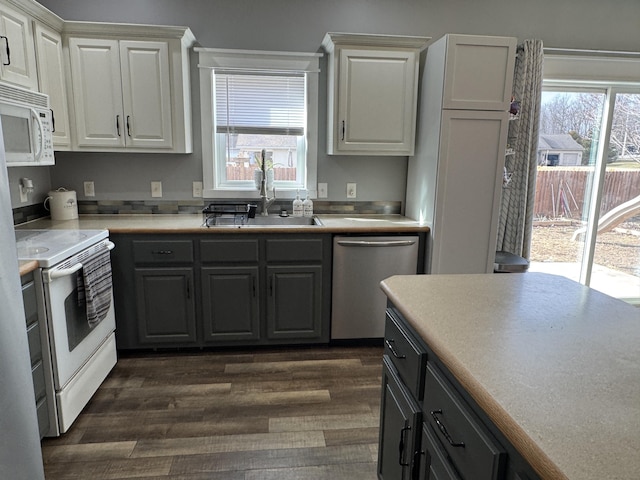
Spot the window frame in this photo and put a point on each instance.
(211, 58)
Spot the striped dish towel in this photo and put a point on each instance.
(94, 286)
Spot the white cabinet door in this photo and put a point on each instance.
(17, 50)
(146, 93)
(97, 93)
(376, 101)
(51, 79)
(478, 72)
(468, 191)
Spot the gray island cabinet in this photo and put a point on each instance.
(508, 377)
(179, 290)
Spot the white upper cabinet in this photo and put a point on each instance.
(146, 93)
(372, 93)
(131, 92)
(478, 71)
(17, 51)
(51, 80)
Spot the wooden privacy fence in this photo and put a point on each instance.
(560, 191)
(235, 172)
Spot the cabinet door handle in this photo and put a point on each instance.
(128, 125)
(188, 288)
(118, 124)
(443, 429)
(53, 121)
(271, 286)
(392, 349)
(162, 252)
(401, 447)
(253, 286)
(6, 40)
(343, 129)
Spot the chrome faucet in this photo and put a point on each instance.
(264, 195)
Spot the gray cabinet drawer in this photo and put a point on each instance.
(229, 251)
(30, 302)
(407, 356)
(294, 249)
(35, 348)
(469, 445)
(39, 387)
(434, 464)
(162, 251)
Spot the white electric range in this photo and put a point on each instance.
(80, 347)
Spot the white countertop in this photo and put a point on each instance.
(192, 223)
(554, 364)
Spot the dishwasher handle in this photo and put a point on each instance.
(376, 243)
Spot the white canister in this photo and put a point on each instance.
(63, 204)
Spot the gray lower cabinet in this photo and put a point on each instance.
(430, 427)
(221, 289)
(230, 304)
(165, 305)
(399, 423)
(36, 332)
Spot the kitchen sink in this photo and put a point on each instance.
(260, 221)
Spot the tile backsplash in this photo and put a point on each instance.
(125, 207)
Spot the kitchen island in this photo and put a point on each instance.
(554, 365)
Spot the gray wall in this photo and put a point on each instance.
(300, 25)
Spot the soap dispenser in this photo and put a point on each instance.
(298, 209)
(307, 207)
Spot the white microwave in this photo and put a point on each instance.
(26, 127)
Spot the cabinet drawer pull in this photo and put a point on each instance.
(6, 39)
(393, 350)
(162, 252)
(401, 447)
(443, 429)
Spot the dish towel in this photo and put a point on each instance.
(94, 287)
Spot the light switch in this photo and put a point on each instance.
(197, 189)
(89, 189)
(156, 189)
(351, 190)
(322, 190)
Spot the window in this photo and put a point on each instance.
(253, 101)
(587, 207)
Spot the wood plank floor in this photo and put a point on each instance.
(295, 413)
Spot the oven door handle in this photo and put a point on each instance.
(64, 272)
(52, 275)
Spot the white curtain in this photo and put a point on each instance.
(518, 195)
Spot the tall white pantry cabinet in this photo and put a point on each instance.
(454, 180)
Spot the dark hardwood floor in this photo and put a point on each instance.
(277, 414)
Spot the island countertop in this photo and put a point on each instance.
(554, 364)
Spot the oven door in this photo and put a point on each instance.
(73, 341)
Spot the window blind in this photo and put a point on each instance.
(260, 103)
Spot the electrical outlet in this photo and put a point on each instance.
(322, 190)
(351, 190)
(156, 189)
(89, 189)
(197, 189)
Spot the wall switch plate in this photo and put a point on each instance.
(323, 190)
(197, 189)
(89, 189)
(156, 189)
(351, 190)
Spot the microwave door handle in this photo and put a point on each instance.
(40, 149)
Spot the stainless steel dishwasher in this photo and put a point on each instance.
(359, 265)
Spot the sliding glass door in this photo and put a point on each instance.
(587, 208)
